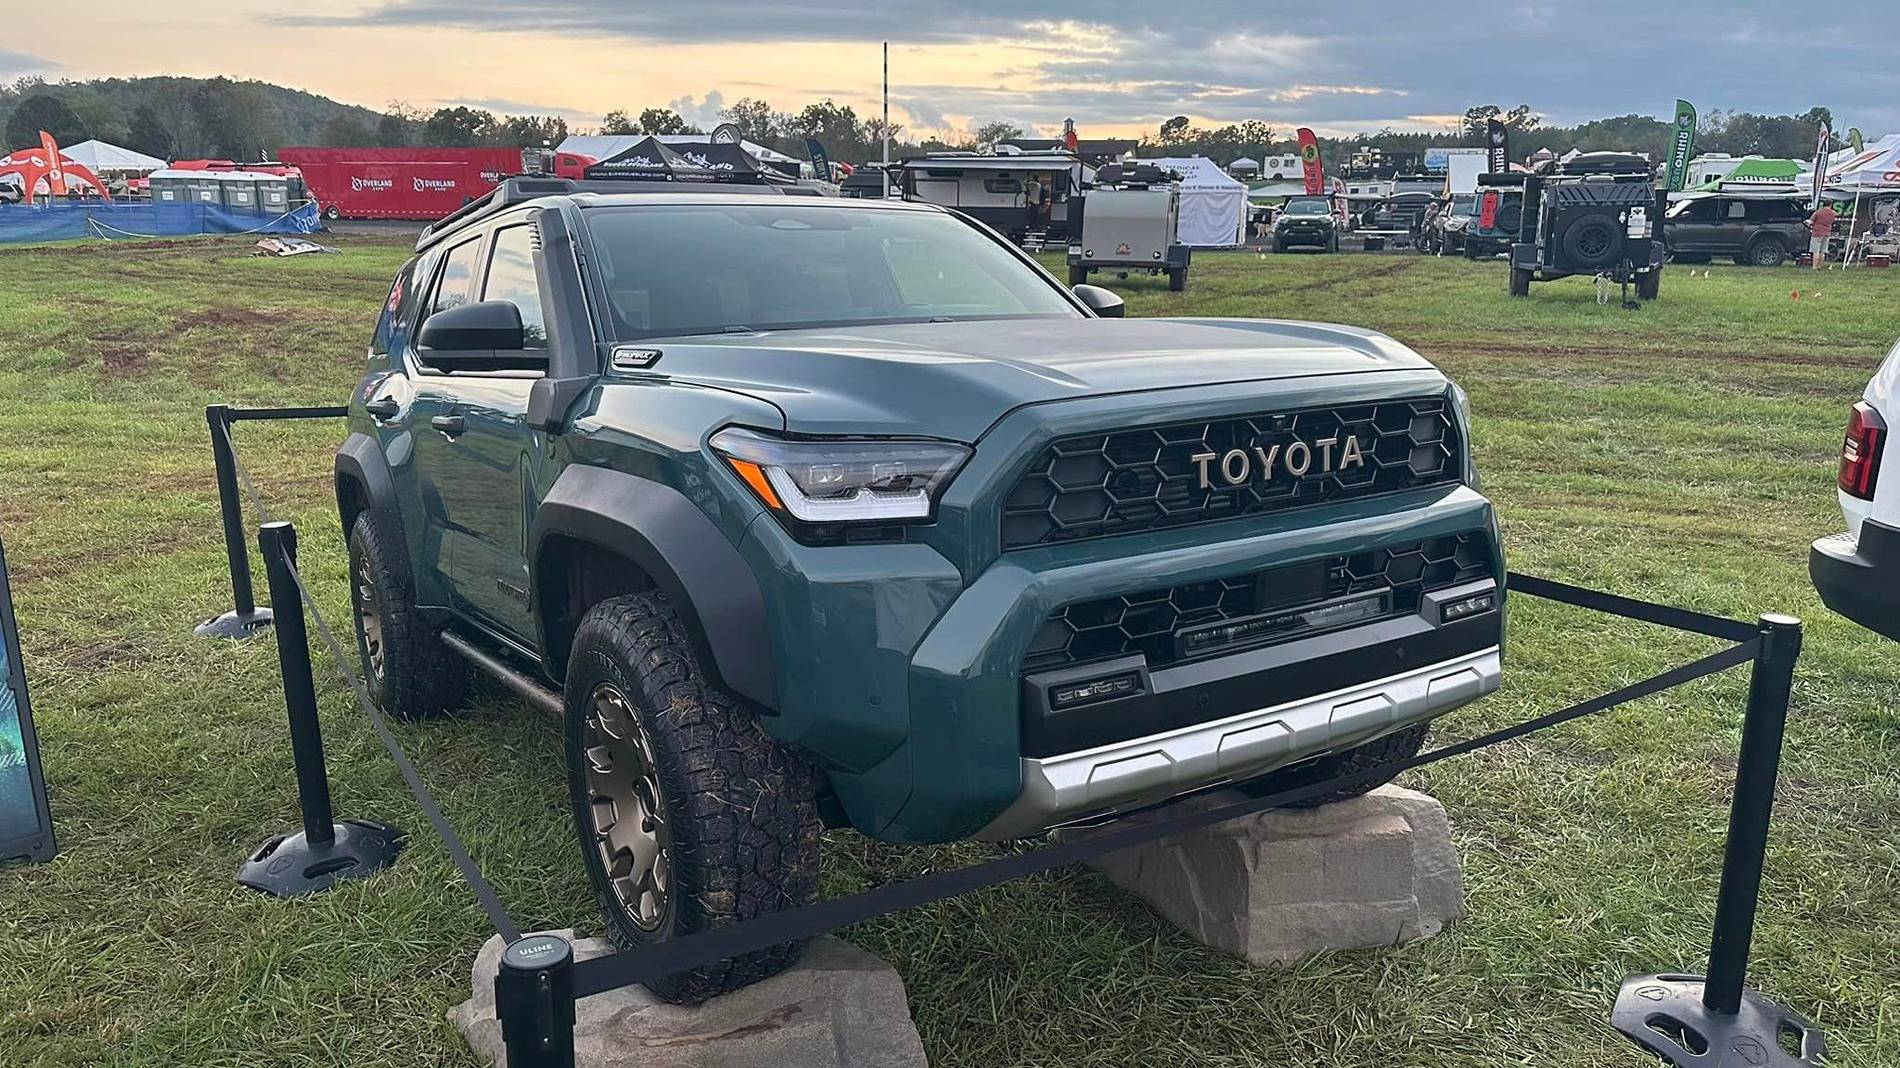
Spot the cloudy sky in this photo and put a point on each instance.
(1115, 66)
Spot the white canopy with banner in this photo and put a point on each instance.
(1876, 170)
(1213, 202)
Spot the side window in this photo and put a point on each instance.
(1737, 209)
(401, 298)
(456, 284)
(511, 277)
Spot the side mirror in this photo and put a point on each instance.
(484, 336)
(1103, 302)
(486, 324)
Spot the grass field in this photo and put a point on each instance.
(1683, 453)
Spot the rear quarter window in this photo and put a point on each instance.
(402, 297)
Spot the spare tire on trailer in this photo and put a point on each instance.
(1593, 241)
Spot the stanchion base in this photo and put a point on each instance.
(234, 624)
(289, 865)
(1665, 1015)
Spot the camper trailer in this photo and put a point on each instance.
(1025, 196)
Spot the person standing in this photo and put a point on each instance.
(1032, 200)
(1820, 232)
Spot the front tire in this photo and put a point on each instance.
(1385, 754)
(410, 673)
(689, 816)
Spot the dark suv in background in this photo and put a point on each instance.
(1762, 231)
(1306, 220)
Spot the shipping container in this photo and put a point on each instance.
(399, 183)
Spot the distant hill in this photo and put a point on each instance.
(175, 117)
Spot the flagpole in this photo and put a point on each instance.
(887, 119)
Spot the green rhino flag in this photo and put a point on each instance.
(1681, 145)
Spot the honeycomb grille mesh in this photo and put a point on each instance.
(1147, 622)
(1125, 481)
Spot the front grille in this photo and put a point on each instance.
(1147, 622)
(1092, 485)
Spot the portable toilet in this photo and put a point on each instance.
(239, 191)
(203, 189)
(273, 194)
(170, 187)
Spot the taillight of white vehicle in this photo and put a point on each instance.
(1860, 451)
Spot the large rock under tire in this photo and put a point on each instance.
(737, 829)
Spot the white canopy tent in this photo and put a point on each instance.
(1876, 170)
(105, 158)
(1213, 202)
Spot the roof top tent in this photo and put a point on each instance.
(1094, 151)
(996, 190)
(866, 182)
(1213, 202)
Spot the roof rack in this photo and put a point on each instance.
(519, 189)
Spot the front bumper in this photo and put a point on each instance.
(1304, 236)
(1132, 774)
(905, 686)
(1860, 577)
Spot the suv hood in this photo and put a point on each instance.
(954, 380)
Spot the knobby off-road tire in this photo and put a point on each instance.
(689, 816)
(1593, 240)
(409, 672)
(1386, 752)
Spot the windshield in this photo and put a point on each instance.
(707, 268)
(1464, 205)
(1308, 207)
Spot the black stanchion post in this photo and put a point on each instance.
(326, 850)
(1714, 1021)
(534, 999)
(245, 618)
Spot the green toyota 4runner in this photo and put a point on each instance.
(817, 512)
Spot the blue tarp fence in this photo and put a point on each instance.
(63, 221)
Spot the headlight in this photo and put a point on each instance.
(841, 480)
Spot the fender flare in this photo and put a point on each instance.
(361, 461)
(688, 558)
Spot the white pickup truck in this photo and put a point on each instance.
(1857, 572)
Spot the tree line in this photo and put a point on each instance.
(181, 118)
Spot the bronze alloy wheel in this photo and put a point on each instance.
(623, 788)
(369, 618)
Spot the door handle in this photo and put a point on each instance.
(384, 408)
(451, 426)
